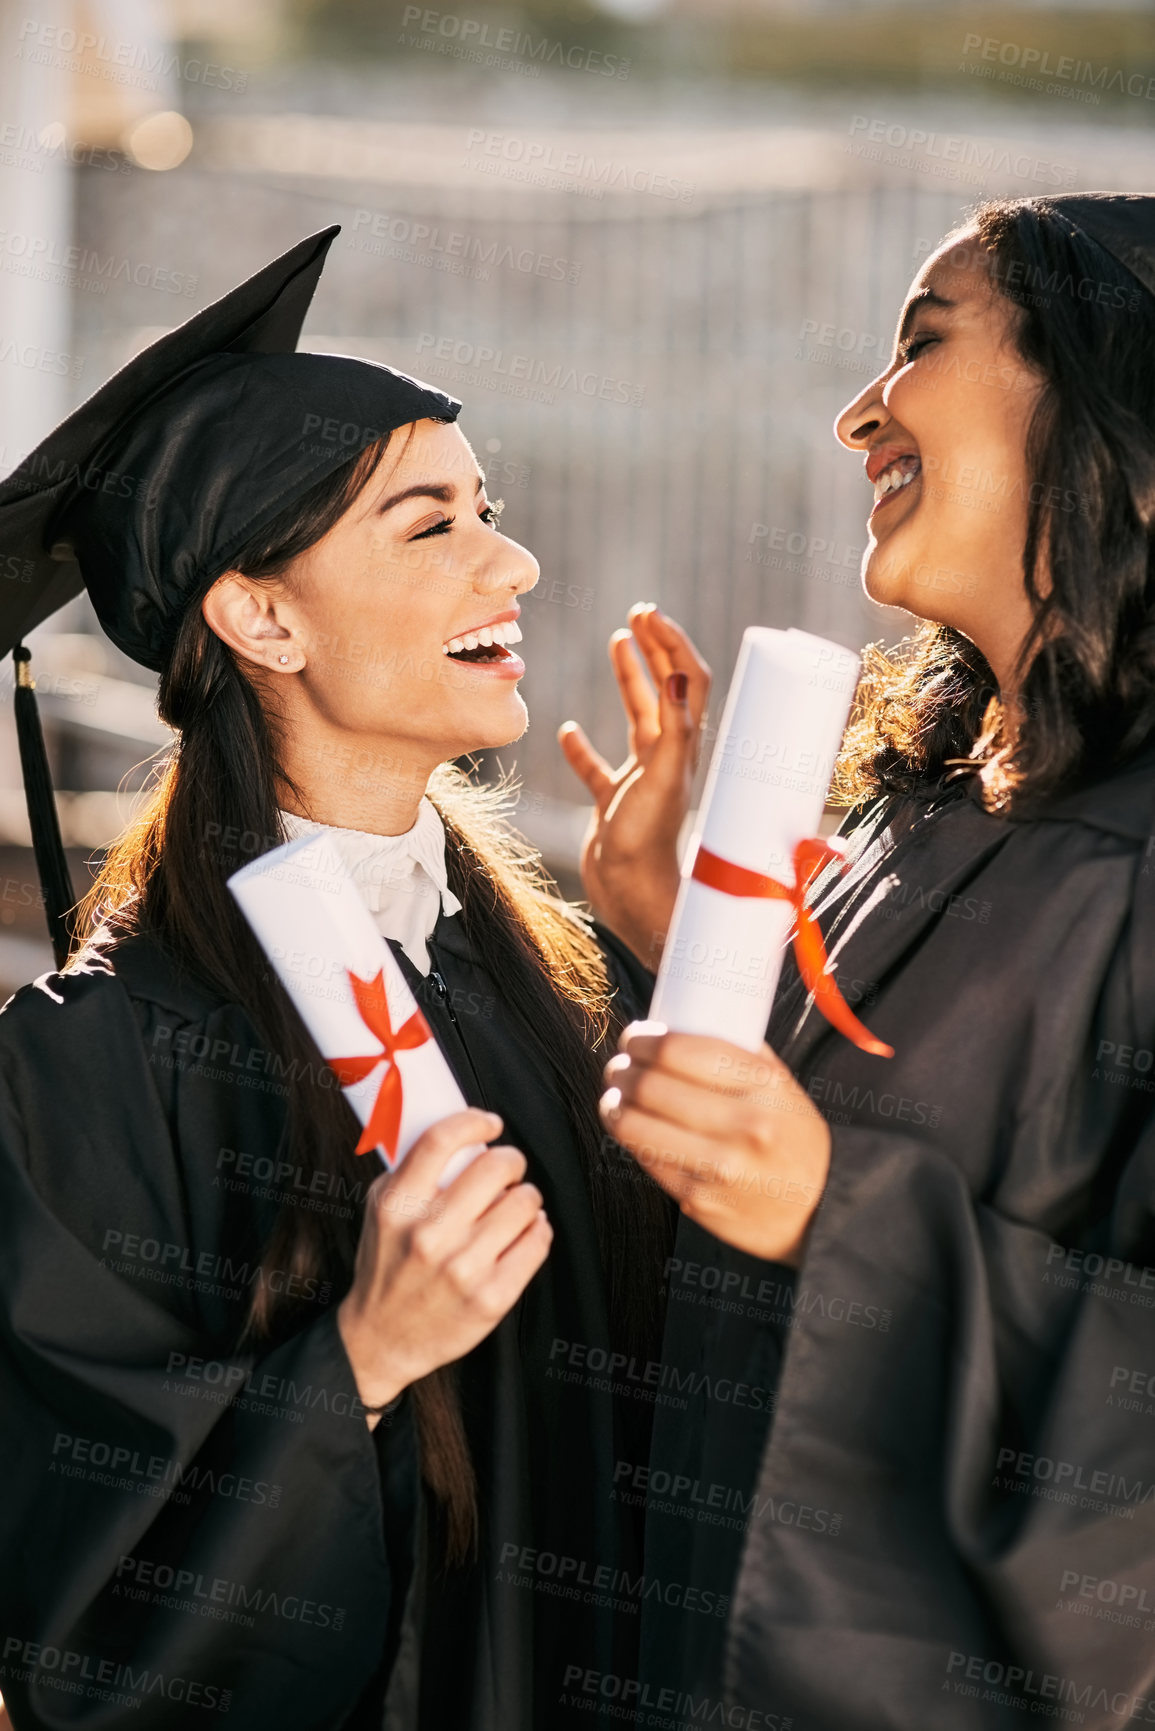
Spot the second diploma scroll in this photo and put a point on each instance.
(765, 792)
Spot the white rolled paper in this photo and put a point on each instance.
(766, 789)
(309, 917)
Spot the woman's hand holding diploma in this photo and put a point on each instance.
(629, 860)
(728, 1133)
(436, 1270)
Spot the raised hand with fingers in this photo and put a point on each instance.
(629, 858)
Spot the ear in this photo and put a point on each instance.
(255, 622)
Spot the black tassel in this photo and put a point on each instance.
(47, 842)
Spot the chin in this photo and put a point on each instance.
(506, 732)
(887, 580)
(878, 584)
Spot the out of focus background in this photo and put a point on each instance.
(653, 244)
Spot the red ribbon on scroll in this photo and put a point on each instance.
(809, 950)
(385, 1118)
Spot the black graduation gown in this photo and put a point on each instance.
(189, 1530)
(954, 1516)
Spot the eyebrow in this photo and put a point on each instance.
(925, 298)
(439, 490)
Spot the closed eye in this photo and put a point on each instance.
(913, 347)
(439, 528)
(488, 514)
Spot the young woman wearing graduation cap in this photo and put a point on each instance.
(951, 1521)
(225, 1343)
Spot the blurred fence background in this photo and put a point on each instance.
(653, 247)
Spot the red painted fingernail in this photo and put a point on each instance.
(677, 685)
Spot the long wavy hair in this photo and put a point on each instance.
(215, 807)
(1086, 674)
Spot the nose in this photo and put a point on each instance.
(509, 566)
(858, 422)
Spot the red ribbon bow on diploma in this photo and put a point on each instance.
(809, 950)
(385, 1118)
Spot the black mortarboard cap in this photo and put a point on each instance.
(146, 492)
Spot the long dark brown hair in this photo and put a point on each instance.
(1086, 674)
(216, 806)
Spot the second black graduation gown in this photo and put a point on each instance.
(190, 1530)
(966, 1410)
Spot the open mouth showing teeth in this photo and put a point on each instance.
(488, 644)
(899, 475)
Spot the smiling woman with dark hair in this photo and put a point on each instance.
(951, 1518)
(285, 1434)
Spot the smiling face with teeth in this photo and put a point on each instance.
(392, 635)
(943, 432)
(489, 643)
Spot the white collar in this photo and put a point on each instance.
(384, 865)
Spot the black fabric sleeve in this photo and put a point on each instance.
(974, 1399)
(188, 1529)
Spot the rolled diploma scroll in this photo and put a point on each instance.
(765, 791)
(309, 917)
